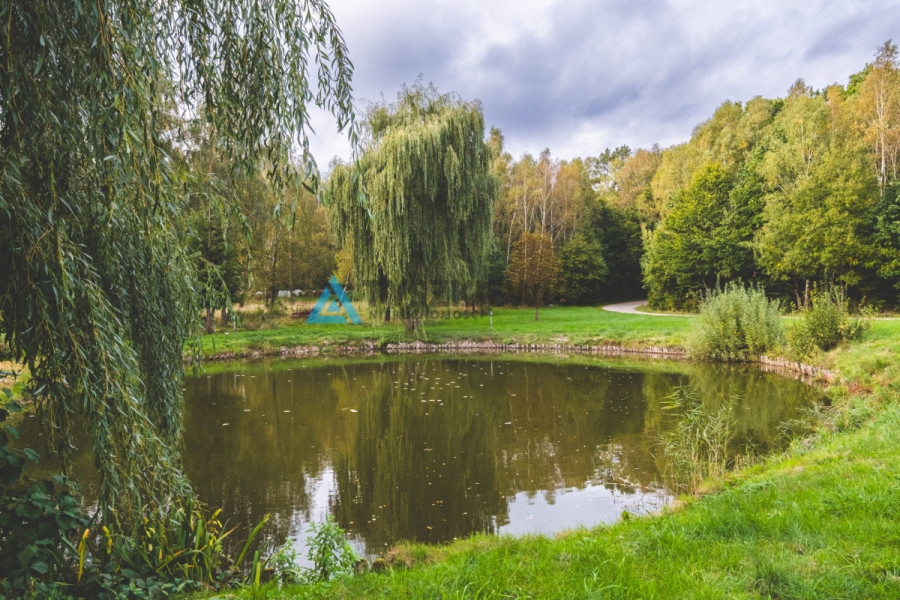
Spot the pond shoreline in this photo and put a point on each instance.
(808, 373)
(844, 457)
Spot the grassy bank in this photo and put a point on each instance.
(563, 325)
(870, 362)
(820, 520)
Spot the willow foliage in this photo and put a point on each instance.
(97, 291)
(417, 208)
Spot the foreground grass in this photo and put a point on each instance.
(563, 325)
(818, 521)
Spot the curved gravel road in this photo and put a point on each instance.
(628, 308)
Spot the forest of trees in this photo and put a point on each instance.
(597, 245)
(792, 193)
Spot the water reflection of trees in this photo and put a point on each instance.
(766, 403)
(765, 399)
(281, 431)
(431, 471)
(423, 463)
(571, 426)
(435, 449)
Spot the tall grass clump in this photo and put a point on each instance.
(825, 323)
(737, 324)
(697, 447)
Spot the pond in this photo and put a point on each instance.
(430, 449)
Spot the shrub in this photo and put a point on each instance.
(277, 309)
(284, 564)
(39, 519)
(736, 324)
(825, 324)
(329, 550)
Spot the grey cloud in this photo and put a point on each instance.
(635, 72)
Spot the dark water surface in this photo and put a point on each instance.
(431, 449)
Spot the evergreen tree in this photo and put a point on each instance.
(618, 232)
(582, 271)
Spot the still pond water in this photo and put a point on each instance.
(431, 449)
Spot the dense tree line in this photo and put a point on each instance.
(792, 193)
(561, 208)
(250, 239)
(594, 244)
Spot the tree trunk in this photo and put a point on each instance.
(224, 316)
(387, 314)
(806, 296)
(537, 312)
(274, 287)
(412, 323)
(209, 319)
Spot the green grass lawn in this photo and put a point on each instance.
(872, 360)
(564, 325)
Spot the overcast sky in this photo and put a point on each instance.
(579, 76)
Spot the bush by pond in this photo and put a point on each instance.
(737, 324)
(825, 323)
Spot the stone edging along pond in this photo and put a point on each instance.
(473, 347)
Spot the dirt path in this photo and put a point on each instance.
(628, 308)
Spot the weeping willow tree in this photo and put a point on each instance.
(97, 290)
(416, 209)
